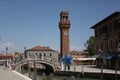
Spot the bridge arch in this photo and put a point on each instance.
(49, 66)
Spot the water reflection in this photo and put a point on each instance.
(51, 76)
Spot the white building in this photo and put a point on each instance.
(42, 53)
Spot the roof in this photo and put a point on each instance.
(40, 48)
(110, 16)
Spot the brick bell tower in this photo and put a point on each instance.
(64, 26)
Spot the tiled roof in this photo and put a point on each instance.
(40, 48)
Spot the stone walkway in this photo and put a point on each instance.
(7, 74)
(79, 68)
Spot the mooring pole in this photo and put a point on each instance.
(101, 69)
(28, 65)
(116, 68)
(22, 69)
(35, 72)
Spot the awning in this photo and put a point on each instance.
(84, 59)
(95, 56)
(110, 56)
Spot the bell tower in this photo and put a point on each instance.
(64, 26)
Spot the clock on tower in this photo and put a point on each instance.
(64, 26)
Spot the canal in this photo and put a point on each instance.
(51, 76)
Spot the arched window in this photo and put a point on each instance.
(44, 55)
(40, 55)
(50, 54)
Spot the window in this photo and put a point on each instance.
(119, 25)
(116, 43)
(40, 55)
(100, 30)
(116, 24)
(50, 54)
(44, 55)
(110, 28)
(111, 46)
(105, 29)
(96, 33)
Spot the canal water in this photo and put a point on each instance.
(56, 77)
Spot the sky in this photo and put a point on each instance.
(28, 23)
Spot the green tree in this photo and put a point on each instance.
(90, 45)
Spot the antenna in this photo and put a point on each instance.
(0, 44)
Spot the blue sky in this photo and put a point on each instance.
(27, 23)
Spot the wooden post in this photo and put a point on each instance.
(35, 77)
(22, 69)
(116, 68)
(28, 68)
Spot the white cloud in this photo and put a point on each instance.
(77, 48)
(11, 47)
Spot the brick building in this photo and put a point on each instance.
(107, 37)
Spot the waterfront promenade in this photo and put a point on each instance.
(92, 69)
(7, 74)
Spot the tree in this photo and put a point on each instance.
(90, 45)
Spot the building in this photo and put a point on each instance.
(81, 57)
(42, 53)
(107, 37)
(64, 26)
(8, 56)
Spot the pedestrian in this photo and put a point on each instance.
(51, 76)
(82, 70)
(64, 78)
(72, 77)
(43, 76)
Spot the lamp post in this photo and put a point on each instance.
(118, 47)
(101, 62)
(35, 72)
(6, 56)
(27, 56)
(117, 60)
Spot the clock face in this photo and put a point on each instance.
(65, 33)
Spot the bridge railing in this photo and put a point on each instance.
(51, 60)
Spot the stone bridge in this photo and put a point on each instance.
(49, 65)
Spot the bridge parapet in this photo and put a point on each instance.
(47, 60)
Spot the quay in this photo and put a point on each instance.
(76, 70)
(7, 74)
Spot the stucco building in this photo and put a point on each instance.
(42, 53)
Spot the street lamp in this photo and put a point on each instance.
(102, 67)
(117, 59)
(6, 56)
(101, 62)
